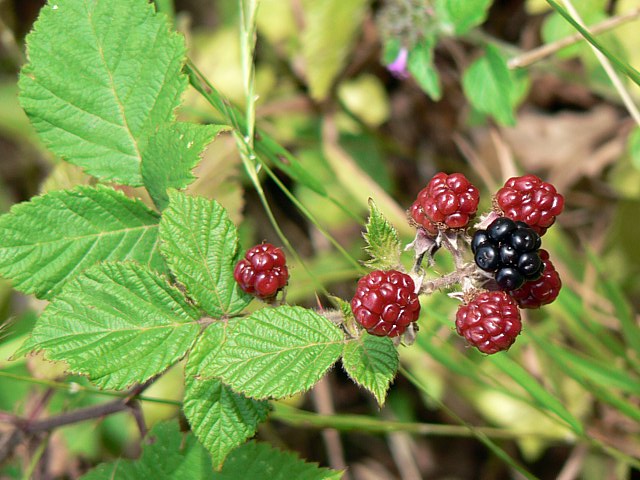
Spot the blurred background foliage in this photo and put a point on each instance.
(564, 402)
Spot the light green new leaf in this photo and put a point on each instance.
(259, 461)
(101, 77)
(118, 323)
(171, 454)
(488, 86)
(200, 245)
(420, 64)
(173, 151)
(372, 362)
(383, 244)
(276, 352)
(325, 49)
(52, 238)
(462, 15)
(220, 418)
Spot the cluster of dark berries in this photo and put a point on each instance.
(263, 271)
(510, 250)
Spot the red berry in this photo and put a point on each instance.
(490, 321)
(448, 201)
(385, 303)
(530, 200)
(539, 292)
(263, 271)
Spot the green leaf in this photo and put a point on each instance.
(220, 418)
(276, 352)
(253, 460)
(200, 245)
(173, 151)
(383, 244)
(50, 239)
(488, 86)
(101, 77)
(372, 362)
(118, 323)
(171, 454)
(462, 15)
(325, 49)
(420, 64)
(538, 392)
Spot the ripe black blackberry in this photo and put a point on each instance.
(510, 250)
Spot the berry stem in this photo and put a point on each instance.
(448, 280)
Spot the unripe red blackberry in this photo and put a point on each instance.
(490, 321)
(530, 200)
(542, 291)
(385, 303)
(263, 271)
(448, 201)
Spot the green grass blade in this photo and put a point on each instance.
(537, 391)
(624, 67)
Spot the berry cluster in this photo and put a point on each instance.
(262, 272)
(521, 274)
(510, 249)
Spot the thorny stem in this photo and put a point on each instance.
(457, 276)
(28, 427)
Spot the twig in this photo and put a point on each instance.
(323, 403)
(606, 64)
(537, 54)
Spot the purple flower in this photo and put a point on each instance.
(398, 67)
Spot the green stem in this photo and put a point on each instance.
(300, 418)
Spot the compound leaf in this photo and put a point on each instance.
(101, 77)
(252, 460)
(200, 244)
(420, 64)
(276, 352)
(383, 244)
(372, 362)
(173, 151)
(118, 323)
(172, 454)
(220, 418)
(53, 237)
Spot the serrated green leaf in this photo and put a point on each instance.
(101, 77)
(220, 418)
(488, 86)
(50, 239)
(383, 244)
(253, 460)
(372, 362)
(118, 323)
(421, 66)
(325, 49)
(276, 352)
(171, 454)
(462, 15)
(200, 245)
(173, 151)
